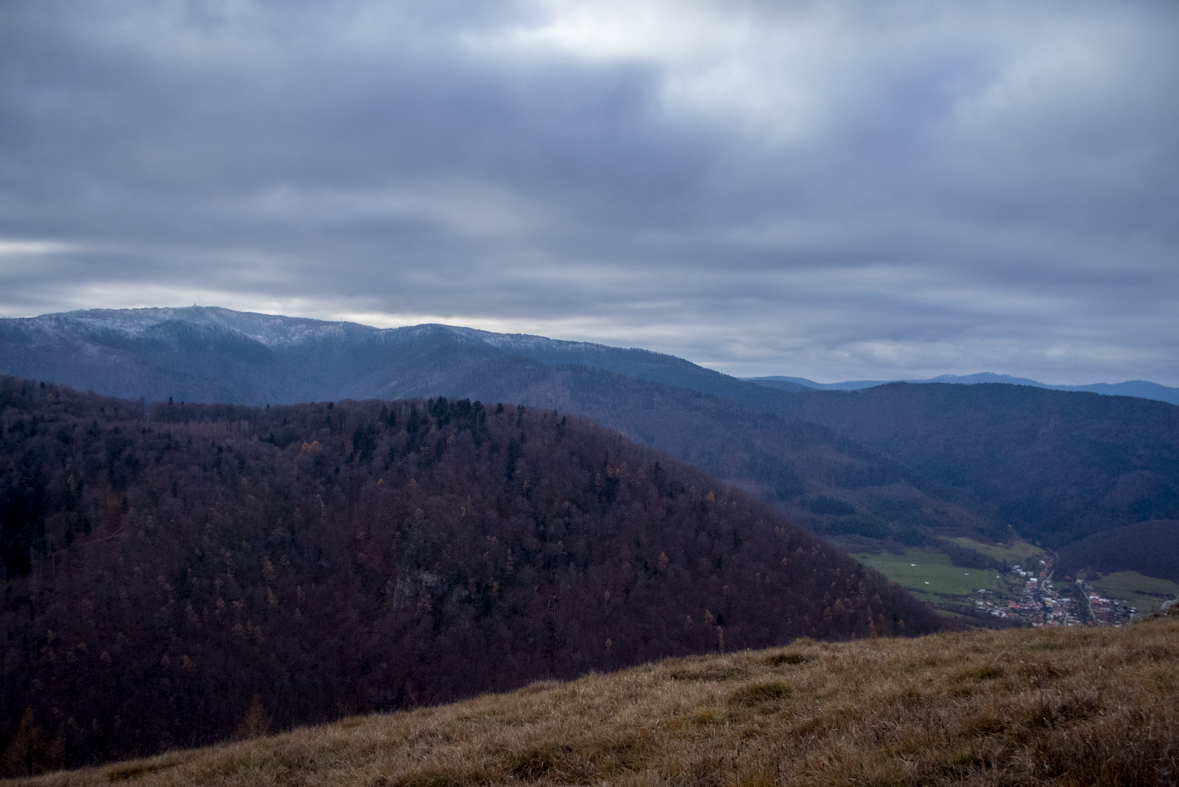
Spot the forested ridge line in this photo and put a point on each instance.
(176, 573)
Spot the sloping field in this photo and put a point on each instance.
(1027, 707)
(930, 575)
(1146, 593)
(1014, 552)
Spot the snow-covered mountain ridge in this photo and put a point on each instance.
(179, 344)
(267, 329)
(213, 354)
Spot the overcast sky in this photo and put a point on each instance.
(835, 190)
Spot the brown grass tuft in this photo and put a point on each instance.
(759, 693)
(781, 659)
(436, 777)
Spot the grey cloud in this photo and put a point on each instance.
(829, 190)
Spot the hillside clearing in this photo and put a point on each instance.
(1146, 593)
(930, 574)
(1016, 551)
(1057, 706)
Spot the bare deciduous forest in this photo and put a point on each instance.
(178, 574)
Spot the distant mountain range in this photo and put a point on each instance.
(895, 462)
(1140, 388)
(210, 354)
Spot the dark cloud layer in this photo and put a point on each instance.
(834, 190)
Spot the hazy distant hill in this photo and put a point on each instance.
(167, 569)
(1147, 547)
(1139, 388)
(211, 354)
(1057, 465)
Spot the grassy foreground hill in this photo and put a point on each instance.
(1018, 707)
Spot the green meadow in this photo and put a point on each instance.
(930, 574)
(1015, 553)
(1145, 593)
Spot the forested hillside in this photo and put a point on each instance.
(1058, 466)
(831, 484)
(176, 573)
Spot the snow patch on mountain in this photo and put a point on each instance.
(525, 341)
(153, 323)
(275, 331)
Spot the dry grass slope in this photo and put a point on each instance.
(1018, 707)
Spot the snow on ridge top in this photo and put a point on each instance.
(501, 341)
(281, 331)
(132, 322)
(522, 341)
(272, 330)
(526, 341)
(267, 329)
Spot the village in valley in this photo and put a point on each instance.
(1022, 585)
(1045, 602)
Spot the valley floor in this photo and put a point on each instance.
(1021, 707)
(1027, 590)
